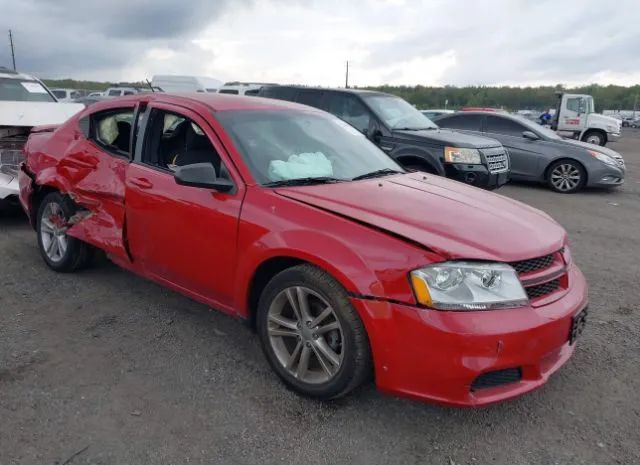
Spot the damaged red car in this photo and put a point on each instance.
(289, 218)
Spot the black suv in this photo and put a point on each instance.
(407, 135)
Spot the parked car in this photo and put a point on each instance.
(289, 218)
(25, 102)
(431, 114)
(174, 83)
(635, 123)
(66, 95)
(120, 91)
(626, 122)
(406, 135)
(95, 94)
(539, 154)
(242, 88)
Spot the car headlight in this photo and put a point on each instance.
(468, 286)
(460, 155)
(612, 128)
(603, 158)
(10, 160)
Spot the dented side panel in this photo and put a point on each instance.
(93, 179)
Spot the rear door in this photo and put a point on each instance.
(96, 166)
(524, 153)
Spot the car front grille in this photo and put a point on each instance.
(497, 378)
(533, 264)
(535, 292)
(497, 159)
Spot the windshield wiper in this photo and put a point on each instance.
(377, 174)
(302, 182)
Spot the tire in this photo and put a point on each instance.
(53, 214)
(286, 344)
(595, 137)
(566, 176)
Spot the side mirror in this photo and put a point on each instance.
(530, 135)
(202, 175)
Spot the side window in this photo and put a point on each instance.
(573, 104)
(112, 130)
(252, 91)
(114, 93)
(128, 92)
(505, 126)
(313, 98)
(280, 93)
(349, 109)
(172, 140)
(228, 91)
(463, 122)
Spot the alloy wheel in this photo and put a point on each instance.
(565, 177)
(305, 335)
(53, 232)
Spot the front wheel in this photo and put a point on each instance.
(311, 335)
(595, 137)
(566, 176)
(59, 251)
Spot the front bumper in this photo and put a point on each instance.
(613, 136)
(435, 356)
(476, 175)
(9, 189)
(606, 176)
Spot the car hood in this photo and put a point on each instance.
(29, 114)
(447, 217)
(593, 147)
(604, 120)
(447, 137)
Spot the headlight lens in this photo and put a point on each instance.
(468, 286)
(10, 160)
(459, 155)
(603, 158)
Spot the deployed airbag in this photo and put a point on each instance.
(304, 165)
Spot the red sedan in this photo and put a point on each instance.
(290, 219)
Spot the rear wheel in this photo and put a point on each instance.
(311, 335)
(566, 176)
(59, 251)
(595, 137)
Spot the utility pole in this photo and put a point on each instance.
(346, 79)
(635, 106)
(13, 55)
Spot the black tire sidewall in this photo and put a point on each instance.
(307, 276)
(578, 166)
(74, 247)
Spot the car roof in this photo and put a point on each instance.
(332, 89)
(11, 74)
(215, 101)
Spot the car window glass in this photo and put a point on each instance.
(114, 93)
(112, 130)
(310, 97)
(506, 126)
(463, 122)
(228, 91)
(59, 93)
(252, 92)
(19, 90)
(173, 140)
(349, 109)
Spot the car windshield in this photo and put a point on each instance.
(281, 146)
(398, 113)
(537, 128)
(22, 90)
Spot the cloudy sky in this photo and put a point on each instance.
(436, 42)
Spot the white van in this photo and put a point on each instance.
(173, 83)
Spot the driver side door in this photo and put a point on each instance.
(183, 236)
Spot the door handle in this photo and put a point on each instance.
(142, 183)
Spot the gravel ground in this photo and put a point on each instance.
(103, 367)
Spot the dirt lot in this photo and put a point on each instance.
(117, 370)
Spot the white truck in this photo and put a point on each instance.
(25, 102)
(576, 118)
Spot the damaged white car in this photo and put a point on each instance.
(25, 102)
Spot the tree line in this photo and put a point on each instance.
(511, 98)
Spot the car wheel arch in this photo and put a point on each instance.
(601, 132)
(574, 160)
(407, 160)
